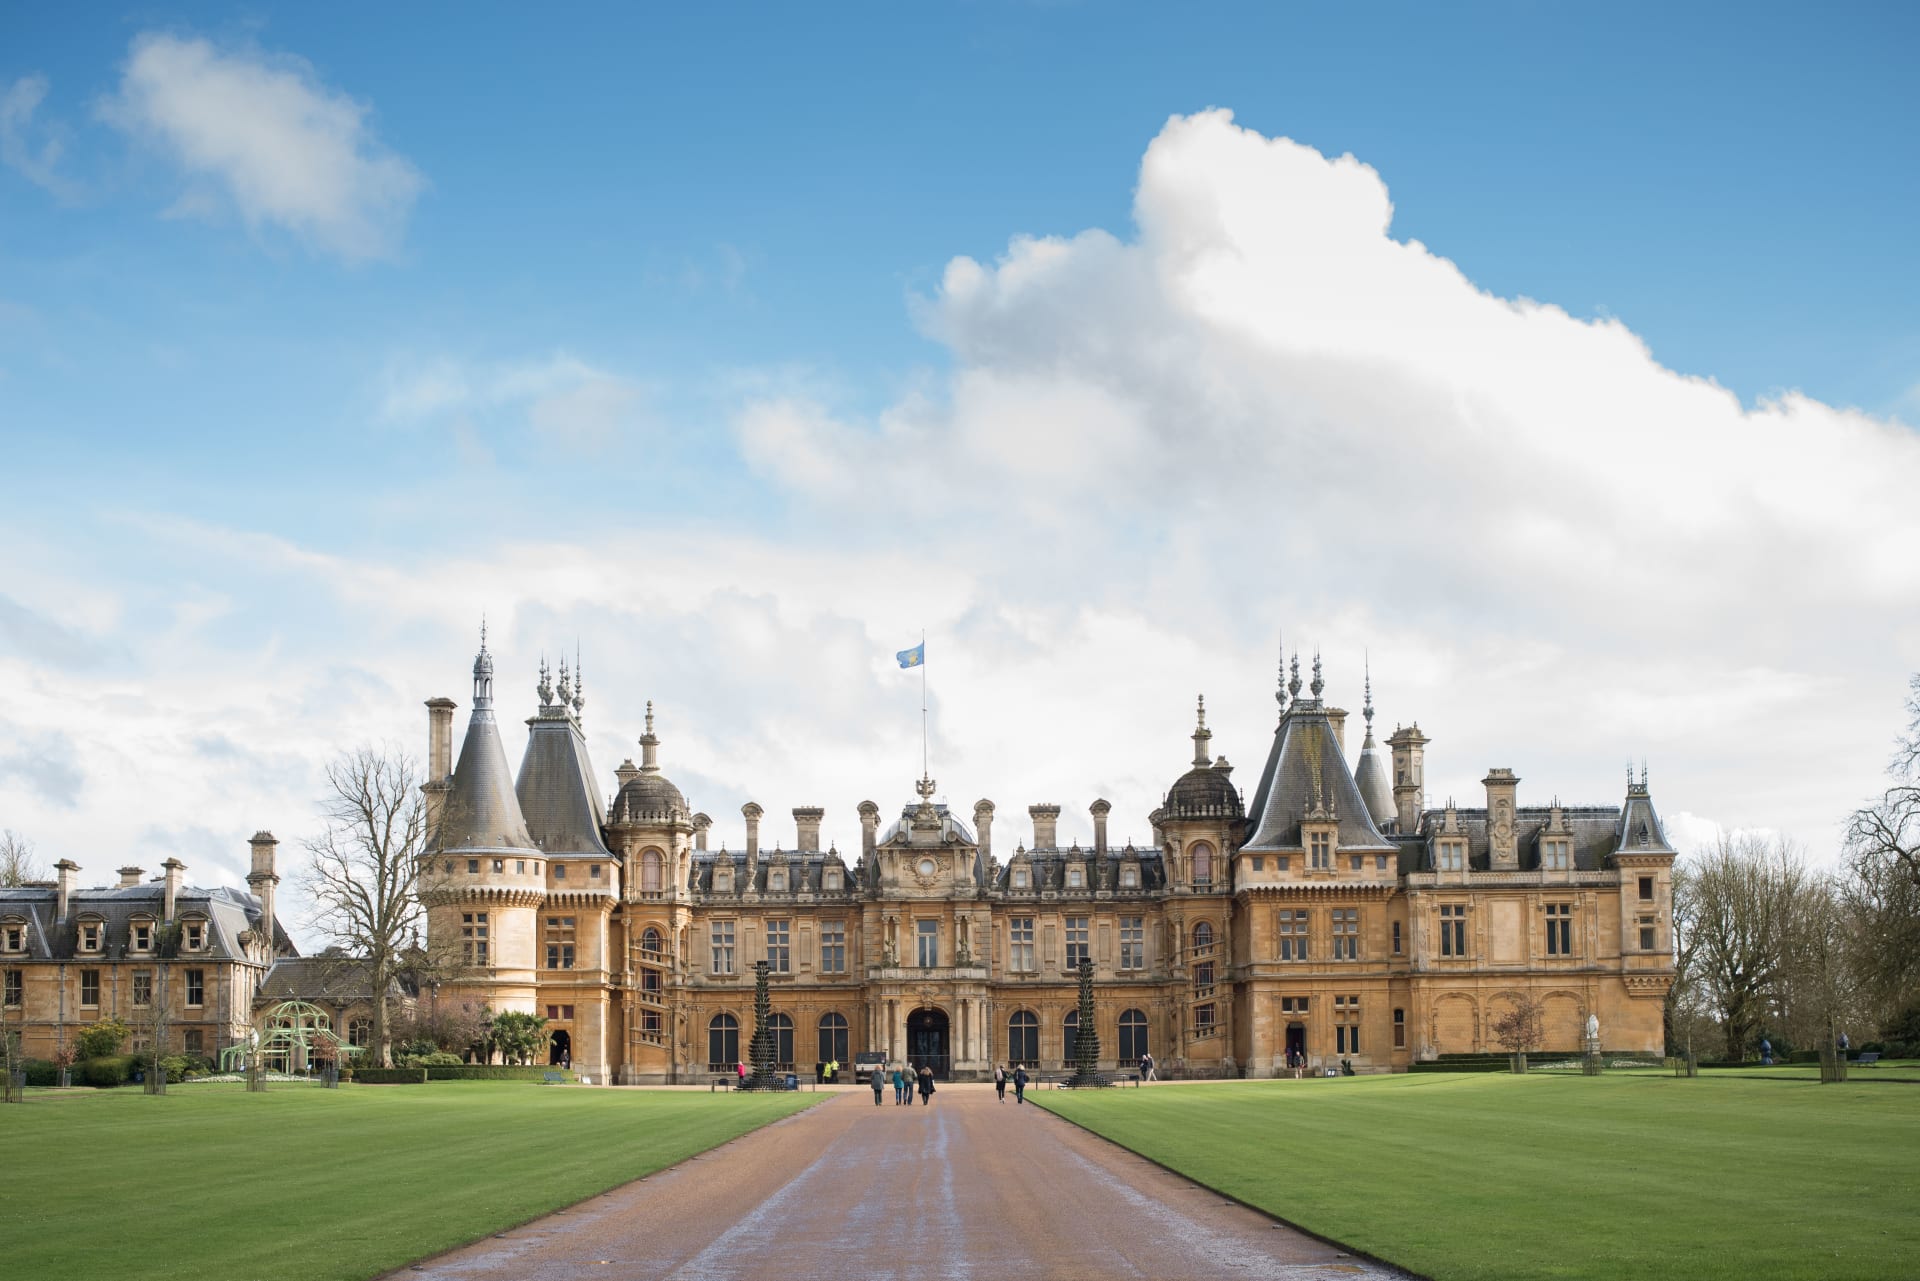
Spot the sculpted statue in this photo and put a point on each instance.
(1593, 1027)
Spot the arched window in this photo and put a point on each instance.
(1133, 1036)
(1203, 955)
(652, 871)
(1202, 936)
(781, 1026)
(833, 1038)
(1023, 1038)
(1200, 858)
(723, 1043)
(651, 942)
(360, 1032)
(1070, 1031)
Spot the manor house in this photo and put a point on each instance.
(1331, 914)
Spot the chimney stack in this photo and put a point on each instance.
(1409, 775)
(1100, 809)
(439, 759)
(66, 869)
(983, 828)
(752, 812)
(130, 876)
(173, 868)
(1337, 717)
(1503, 847)
(869, 826)
(806, 820)
(700, 825)
(1046, 819)
(262, 879)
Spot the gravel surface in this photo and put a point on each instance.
(965, 1188)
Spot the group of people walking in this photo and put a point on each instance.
(1018, 1077)
(905, 1080)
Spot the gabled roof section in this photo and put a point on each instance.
(1306, 772)
(481, 810)
(558, 796)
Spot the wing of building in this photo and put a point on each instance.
(1335, 917)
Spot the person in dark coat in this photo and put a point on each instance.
(1000, 1081)
(1020, 1084)
(926, 1084)
(878, 1080)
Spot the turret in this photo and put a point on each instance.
(263, 878)
(1372, 775)
(1409, 773)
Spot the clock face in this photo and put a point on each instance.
(926, 867)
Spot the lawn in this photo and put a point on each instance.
(1498, 1176)
(211, 1182)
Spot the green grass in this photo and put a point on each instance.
(1499, 1176)
(213, 1182)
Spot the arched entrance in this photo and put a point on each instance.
(560, 1049)
(927, 1041)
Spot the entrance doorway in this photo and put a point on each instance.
(1296, 1041)
(560, 1049)
(927, 1041)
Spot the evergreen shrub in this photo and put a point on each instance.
(106, 1072)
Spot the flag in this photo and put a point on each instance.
(914, 657)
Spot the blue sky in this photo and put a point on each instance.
(605, 252)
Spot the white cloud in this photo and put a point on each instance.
(565, 401)
(39, 163)
(263, 134)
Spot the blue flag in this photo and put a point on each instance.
(914, 657)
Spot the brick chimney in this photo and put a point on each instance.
(262, 880)
(68, 871)
(1046, 820)
(806, 820)
(130, 876)
(173, 868)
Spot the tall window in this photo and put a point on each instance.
(1648, 934)
(926, 941)
(560, 940)
(89, 987)
(360, 1032)
(652, 871)
(1069, 1033)
(833, 1038)
(196, 987)
(143, 987)
(1320, 851)
(16, 986)
(1133, 944)
(1133, 1035)
(1399, 1029)
(1346, 1018)
(781, 1026)
(833, 947)
(1646, 889)
(779, 947)
(1023, 1038)
(1020, 945)
(1202, 857)
(1559, 929)
(1203, 955)
(473, 937)
(1453, 929)
(651, 943)
(723, 1042)
(1292, 932)
(1346, 933)
(720, 938)
(1556, 855)
(1396, 938)
(1203, 1019)
(1453, 856)
(1076, 941)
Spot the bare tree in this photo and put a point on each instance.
(1682, 1007)
(364, 869)
(1741, 897)
(18, 865)
(1883, 856)
(1820, 975)
(1523, 1025)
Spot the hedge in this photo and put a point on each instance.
(489, 1072)
(390, 1076)
(105, 1073)
(40, 1071)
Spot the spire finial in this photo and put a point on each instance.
(1366, 708)
(1318, 684)
(1280, 682)
(483, 673)
(579, 683)
(1293, 685)
(1201, 736)
(649, 746)
(545, 688)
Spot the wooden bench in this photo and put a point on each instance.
(1867, 1059)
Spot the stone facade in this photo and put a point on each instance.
(1332, 915)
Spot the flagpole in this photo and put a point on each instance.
(923, 703)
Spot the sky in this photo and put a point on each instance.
(1560, 369)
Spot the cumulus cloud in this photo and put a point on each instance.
(263, 135)
(563, 400)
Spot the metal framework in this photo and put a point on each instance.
(293, 1037)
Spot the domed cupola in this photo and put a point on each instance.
(1206, 790)
(646, 796)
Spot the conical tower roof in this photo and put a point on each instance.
(1374, 773)
(481, 810)
(1306, 775)
(556, 790)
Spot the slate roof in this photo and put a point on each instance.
(1047, 870)
(805, 872)
(330, 980)
(558, 796)
(1595, 836)
(1374, 777)
(1307, 772)
(228, 912)
(482, 811)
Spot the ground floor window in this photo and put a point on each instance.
(781, 1027)
(723, 1042)
(195, 1041)
(143, 987)
(1133, 1035)
(1399, 1029)
(833, 1038)
(1069, 1034)
(360, 1032)
(196, 987)
(15, 986)
(1023, 1038)
(89, 987)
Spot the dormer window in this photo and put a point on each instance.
(834, 879)
(194, 935)
(1557, 855)
(141, 934)
(1019, 878)
(1129, 877)
(90, 932)
(722, 879)
(1452, 856)
(13, 936)
(1320, 851)
(777, 880)
(1076, 877)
